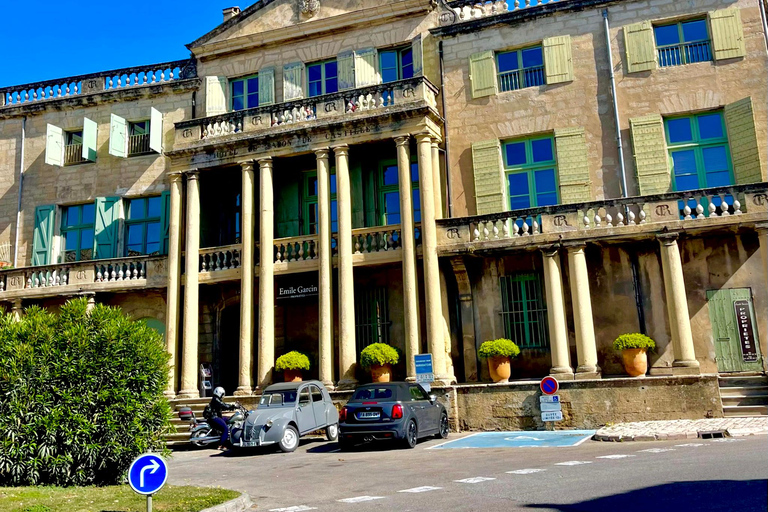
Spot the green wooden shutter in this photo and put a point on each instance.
(356, 182)
(650, 151)
(640, 46)
(155, 130)
(165, 220)
(54, 146)
(293, 81)
(267, 86)
(118, 136)
(725, 331)
(43, 236)
(106, 228)
(90, 136)
(482, 74)
(287, 208)
(345, 70)
(572, 165)
(727, 33)
(366, 72)
(490, 186)
(742, 139)
(216, 95)
(372, 218)
(558, 62)
(418, 56)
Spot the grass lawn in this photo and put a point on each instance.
(116, 498)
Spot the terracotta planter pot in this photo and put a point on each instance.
(292, 375)
(381, 373)
(635, 361)
(500, 368)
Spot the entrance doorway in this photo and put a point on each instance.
(734, 331)
(227, 354)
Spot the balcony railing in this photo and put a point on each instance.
(686, 53)
(520, 78)
(215, 259)
(136, 76)
(465, 10)
(138, 144)
(73, 154)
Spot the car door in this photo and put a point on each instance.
(305, 416)
(318, 406)
(420, 404)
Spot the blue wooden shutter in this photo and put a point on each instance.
(165, 216)
(106, 228)
(43, 237)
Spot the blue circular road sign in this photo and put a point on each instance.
(147, 474)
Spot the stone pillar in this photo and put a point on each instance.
(266, 275)
(408, 243)
(17, 310)
(438, 187)
(677, 307)
(558, 332)
(246, 279)
(762, 235)
(189, 362)
(435, 328)
(325, 337)
(347, 341)
(586, 346)
(174, 279)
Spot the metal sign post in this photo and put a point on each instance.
(147, 475)
(149, 503)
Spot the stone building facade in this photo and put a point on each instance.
(322, 176)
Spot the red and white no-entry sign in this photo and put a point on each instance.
(549, 385)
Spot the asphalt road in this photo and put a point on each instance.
(692, 475)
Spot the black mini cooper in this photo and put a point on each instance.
(400, 411)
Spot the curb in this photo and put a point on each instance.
(679, 436)
(239, 504)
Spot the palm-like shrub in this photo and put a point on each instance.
(634, 340)
(292, 361)
(81, 395)
(378, 354)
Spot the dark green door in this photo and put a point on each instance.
(737, 348)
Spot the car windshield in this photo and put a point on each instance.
(373, 394)
(278, 398)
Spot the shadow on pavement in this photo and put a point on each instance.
(709, 495)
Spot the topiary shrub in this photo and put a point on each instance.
(498, 348)
(378, 354)
(292, 361)
(634, 340)
(81, 395)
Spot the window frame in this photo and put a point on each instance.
(383, 190)
(682, 42)
(525, 339)
(244, 80)
(323, 78)
(309, 201)
(520, 68)
(144, 145)
(530, 168)
(144, 222)
(399, 52)
(69, 135)
(79, 229)
(368, 331)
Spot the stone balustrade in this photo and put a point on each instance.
(136, 76)
(378, 239)
(42, 277)
(465, 10)
(121, 270)
(300, 248)
(216, 259)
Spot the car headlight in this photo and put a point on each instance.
(268, 423)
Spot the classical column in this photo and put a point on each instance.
(90, 302)
(408, 243)
(174, 280)
(266, 275)
(437, 181)
(762, 236)
(189, 370)
(347, 341)
(558, 332)
(17, 310)
(435, 328)
(586, 347)
(246, 279)
(677, 307)
(325, 337)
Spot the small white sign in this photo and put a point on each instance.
(549, 398)
(552, 416)
(550, 407)
(425, 377)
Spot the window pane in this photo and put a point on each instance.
(542, 150)
(253, 85)
(73, 216)
(332, 179)
(71, 239)
(715, 159)
(711, 126)
(313, 219)
(153, 232)
(334, 217)
(392, 207)
(312, 185)
(684, 162)
(315, 89)
(687, 182)
(532, 57)
(238, 103)
(153, 206)
(331, 85)
(388, 75)
(545, 181)
(86, 239)
(89, 213)
(390, 175)
(238, 88)
(153, 248)
(695, 31)
(253, 100)
(406, 59)
(515, 153)
(507, 61)
(519, 202)
(547, 199)
(388, 59)
(136, 209)
(139, 128)
(679, 130)
(666, 34)
(330, 69)
(415, 173)
(719, 179)
(315, 73)
(416, 205)
(135, 234)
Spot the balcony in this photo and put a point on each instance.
(696, 211)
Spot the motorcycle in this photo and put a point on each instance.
(201, 433)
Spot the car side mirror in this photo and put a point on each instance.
(432, 398)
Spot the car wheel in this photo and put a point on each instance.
(290, 440)
(332, 432)
(443, 432)
(411, 435)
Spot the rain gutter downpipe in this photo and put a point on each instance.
(21, 188)
(617, 121)
(448, 196)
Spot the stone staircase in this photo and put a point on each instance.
(744, 394)
(181, 437)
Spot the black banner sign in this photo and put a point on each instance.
(746, 333)
(296, 289)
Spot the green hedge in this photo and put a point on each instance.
(292, 361)
(378, 354)
(81, 395)
(634, 340)
(498, 348)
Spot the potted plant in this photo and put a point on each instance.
(499, 353)
(379, 358)
(634, 348)
(291, 364)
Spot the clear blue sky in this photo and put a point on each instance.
(54, 39)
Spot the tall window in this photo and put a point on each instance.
(389, 194)
(520, 68)
(77, 224)
(524, 311)
(682, 43)
(698, 151)
(142, 226)
(396, 64)
(531, 172)
(323, 78)
(245, 92)
(311, 216)
(138, 143)
(73, 148)
(371, 316)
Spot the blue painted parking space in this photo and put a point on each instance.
(527, 439)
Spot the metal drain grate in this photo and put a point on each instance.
(712, 434)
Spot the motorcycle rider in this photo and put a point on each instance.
(218, 423)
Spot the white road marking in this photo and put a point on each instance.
(523, 438)
(358, 499)
(525, 471)
(726, 440)
(297, 508)
(657, 450)
(474, 480)
(622, 456)
(452, 440)
(587, 438)
(425, 488)
(689, 444)
(573, 463)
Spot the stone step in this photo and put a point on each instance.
(745, 400)
(735, 411)
(743, 391)
(741, 380)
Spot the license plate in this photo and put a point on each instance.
(368, 415)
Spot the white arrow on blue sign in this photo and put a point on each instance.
(147, 474)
